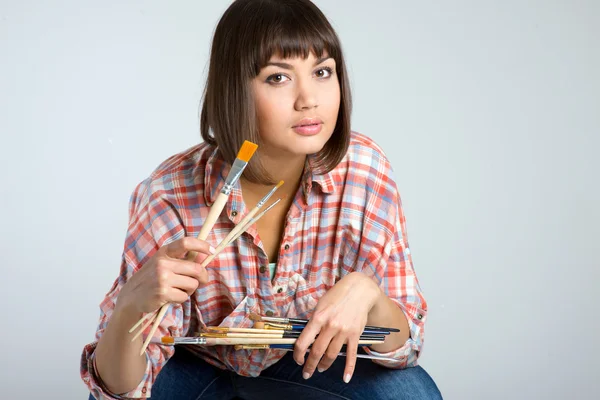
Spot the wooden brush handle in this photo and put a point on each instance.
(240, 227)
(143, 328)
(142, 320)
(211, 219)
(157, 321)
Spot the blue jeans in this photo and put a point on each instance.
(185, 376)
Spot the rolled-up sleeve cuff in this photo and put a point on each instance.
(407, 355)
(98, 388)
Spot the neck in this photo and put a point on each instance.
(289, 170)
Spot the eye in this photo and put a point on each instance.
(324, 72)
(276, 78)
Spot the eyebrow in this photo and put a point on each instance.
(290, 67)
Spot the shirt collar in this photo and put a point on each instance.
(325, 181)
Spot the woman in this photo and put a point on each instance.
(334, 250)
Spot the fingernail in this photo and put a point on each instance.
(320, 369)
(212, 250)
(306, 375)
(347, 378)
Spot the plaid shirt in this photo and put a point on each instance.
(349, 219)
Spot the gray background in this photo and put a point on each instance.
(489, 112)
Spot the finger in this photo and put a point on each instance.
(331, 353)
(180, 247)
(184, 283)
(317, 350)
(351, 350)
(196, 257)
(175, 295)
(167, 270)
(189, 268)
(306, 338)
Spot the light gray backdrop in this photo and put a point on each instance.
(488, 110)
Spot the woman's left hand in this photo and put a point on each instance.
(340, 318)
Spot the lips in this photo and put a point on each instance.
(308, 127)
(308, 122)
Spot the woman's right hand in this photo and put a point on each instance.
(167, 277)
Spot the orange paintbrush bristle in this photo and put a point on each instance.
(167, 340)
(279, 184)
(247, 151)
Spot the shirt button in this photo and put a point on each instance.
(233, 213)
(420, 316)
(279, 290)
(143, 390)
(270, 313)
(262, 269)
(287, 247)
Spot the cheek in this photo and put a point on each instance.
(333, 101)
(271, 111)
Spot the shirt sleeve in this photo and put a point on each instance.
(387, 258)
(153, 222)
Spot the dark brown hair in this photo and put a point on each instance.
(248, 34)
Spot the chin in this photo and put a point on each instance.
(297, 145)
(307, 145)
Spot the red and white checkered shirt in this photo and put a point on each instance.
(350, 219)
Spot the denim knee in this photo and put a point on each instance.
(411, 383)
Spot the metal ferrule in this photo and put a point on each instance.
(234, 174)
(213, 329)
(267, 210)
(267, 197)
(251, 346)
(213, 334)
(190, 340)
(284, 327)
(275, 319)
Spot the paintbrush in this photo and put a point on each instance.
(247, 335)
(256, 317)
(231, 238)
(243, 157)
(271, 334)
(224, 329)
(279, 346)
(288, 327)
(248, 218)
(205, 341)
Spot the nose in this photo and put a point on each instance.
(306, 97)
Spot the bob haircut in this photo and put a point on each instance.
(249, 33)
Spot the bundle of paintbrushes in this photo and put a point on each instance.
(240, 163)
(272, 333)
(287, 333)
(265, 336)
(280, 334)
(248, 341)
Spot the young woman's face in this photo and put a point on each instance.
(297, 103)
